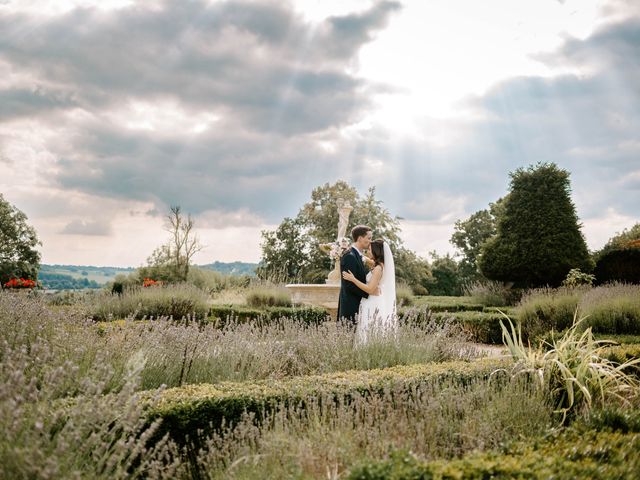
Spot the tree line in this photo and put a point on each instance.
(532, 237)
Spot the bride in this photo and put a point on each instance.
(377, 314)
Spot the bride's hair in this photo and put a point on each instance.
(377, 250)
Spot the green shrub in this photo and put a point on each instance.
(176, 301)
(619, 265)
(191, 408)
(577, 278)
(224, 314)
(570, 454)
(264, 296)
(447, 304)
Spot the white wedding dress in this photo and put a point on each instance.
(377, 316)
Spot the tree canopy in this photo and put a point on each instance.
(291, 252)
(538, 238)
(469, 237)
(18, 241)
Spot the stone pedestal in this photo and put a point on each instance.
(317, 295)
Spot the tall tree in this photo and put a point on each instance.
(538, 236)
(469, 237)
(291, 253)
(18, 241)
(171, 261)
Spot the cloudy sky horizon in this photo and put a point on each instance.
(113, 110)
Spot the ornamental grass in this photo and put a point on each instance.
(575, 370)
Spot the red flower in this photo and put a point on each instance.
(20, 283)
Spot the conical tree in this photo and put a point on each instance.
(538, 236)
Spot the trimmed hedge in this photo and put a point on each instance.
(482, 327)
(581, 451)
(448, 304)
(222, 314)
(186, 410)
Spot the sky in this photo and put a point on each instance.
(113, 110)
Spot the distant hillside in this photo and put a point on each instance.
(69, 277)
(233, 268)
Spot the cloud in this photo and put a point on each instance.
(205, 105)
(587, 123)
(87, 227)
(258, 63)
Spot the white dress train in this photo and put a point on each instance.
(377, 315)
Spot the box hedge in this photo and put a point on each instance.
(573, 453)
(188, 409)
(482, 327)
(223, 314)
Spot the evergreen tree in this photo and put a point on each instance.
(538, 236)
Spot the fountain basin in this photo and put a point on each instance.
(317, 295)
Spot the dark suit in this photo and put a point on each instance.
(350, 295)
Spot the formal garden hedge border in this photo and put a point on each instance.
(605, 451)
(223, 314)
(206, 407)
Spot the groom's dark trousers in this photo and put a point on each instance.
(350, 295)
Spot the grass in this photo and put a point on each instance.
(574, 371)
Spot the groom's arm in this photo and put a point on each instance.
(350, 263)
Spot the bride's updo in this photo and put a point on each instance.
(377, 251)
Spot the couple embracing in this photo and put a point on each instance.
(368, 300)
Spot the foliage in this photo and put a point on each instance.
(576, 278)
(575, 373)
(492, 294)
(177, 301)
(323, 438)
(291, 253)
(624, 239)
(445, 278)
(170, 262)
(613, 308)
(59, 281)
(621, 264)
(404, 295)
(191, 408)
(447, 304)
(269, 296)
(538, 236)
(545, 309)
(576, 452)
(228, 315)
(481, 327)
(469, 237)
(18, 242)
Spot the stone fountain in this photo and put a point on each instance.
(325, 294)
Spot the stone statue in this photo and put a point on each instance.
(344, 210)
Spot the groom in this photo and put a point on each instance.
(350, 295)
